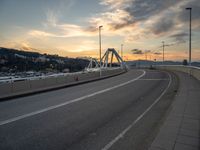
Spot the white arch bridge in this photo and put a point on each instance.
(107, 61)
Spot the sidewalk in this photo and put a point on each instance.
(181, 130)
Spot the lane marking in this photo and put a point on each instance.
(69, 102)
(152, 79)
(121, 135)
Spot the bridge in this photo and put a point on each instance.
(120, 110)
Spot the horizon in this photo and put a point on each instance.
(83, 57)
(69, 28)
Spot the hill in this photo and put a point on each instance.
(13, 60)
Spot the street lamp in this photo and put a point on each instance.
(190, 9)
(122, 51)
(163, 51)
(100, 48)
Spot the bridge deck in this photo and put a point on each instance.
(181, 130)
(119, 113)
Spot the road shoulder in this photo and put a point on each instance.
(180, 130)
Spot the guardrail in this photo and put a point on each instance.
(28, 86)
(194, 71)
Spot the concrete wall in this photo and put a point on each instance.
(194, 71)
(37, 85)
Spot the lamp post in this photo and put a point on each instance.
(163, 51)
(122, 51)
(100, 48)
(190, 46)
(145, 55)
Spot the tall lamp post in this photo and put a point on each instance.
(100, 48)
(163, 51)
(122, 51)
(190, 46)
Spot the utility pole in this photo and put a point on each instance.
(190, 45)
(163, 51)
(146, 55)
(100, 49)
(122, 51)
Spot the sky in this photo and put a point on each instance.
(70, 27)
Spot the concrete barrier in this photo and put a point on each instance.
(12, 89)
(194, 71)
(37, 84)
(51, 81)
(5, 89)
(62, 80)
(20, 86)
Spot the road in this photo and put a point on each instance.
(122, 112)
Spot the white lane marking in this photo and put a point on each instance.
(121, 135)
(69, 102)
(153, 79)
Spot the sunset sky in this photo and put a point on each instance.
(70, 27)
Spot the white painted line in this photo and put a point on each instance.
(69, 102)
(121, 135)
(152, 79)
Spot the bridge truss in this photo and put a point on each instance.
(107, 61)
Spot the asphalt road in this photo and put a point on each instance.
(122, 112)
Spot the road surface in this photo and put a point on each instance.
(118, 113)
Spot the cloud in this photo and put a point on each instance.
(111, 20)
(115, 4)
(54, 13)
(133, 20)
(71, 30)
(157, 53)
(54, 28)
(85, 45)
(147, 51)
(135, 10)
(154, 18)
(142, 10)
(20, 44)
(115, 17)
(162, 25)
(63, 31)
(137, 52)
(52, 18)
(184, 14)
(37, 33)
(179, 37)
(27, 47)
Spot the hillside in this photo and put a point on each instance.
(12, 60)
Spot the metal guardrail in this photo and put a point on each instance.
(14, 79)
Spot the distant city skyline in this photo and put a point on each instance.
(70, 27)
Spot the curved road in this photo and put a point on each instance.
(122, 112)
